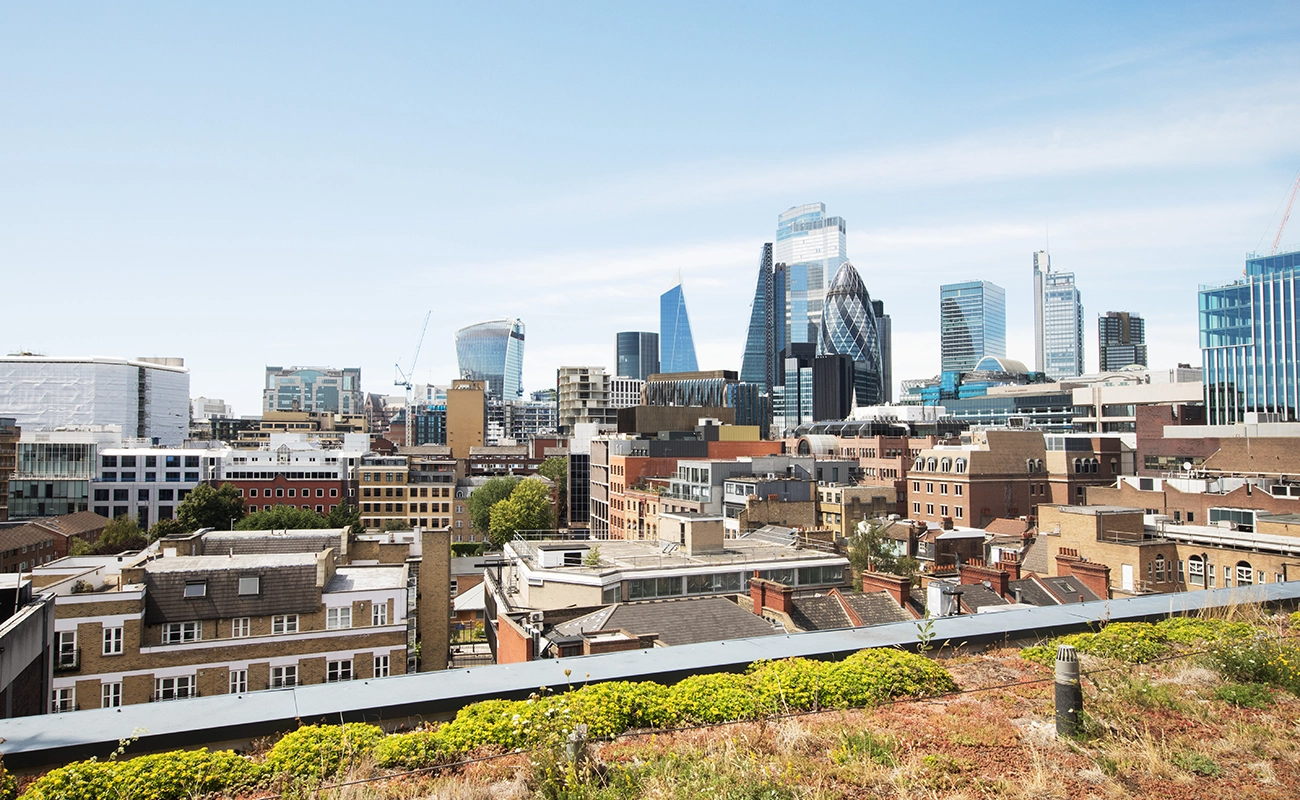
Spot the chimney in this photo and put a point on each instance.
(770, 594)
(946, 523)
(757, 593)
(1009, 562)
(976, 571)
(898, 587)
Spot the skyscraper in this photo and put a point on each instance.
(849, 327)
(1062, 326)
(972, 324)
(812, 246)
(493, 352)
(885, 331)
(676, 345)
(1042, 265)
(767, 325)
(1248, 342)
(1121, 340)
(637, 354)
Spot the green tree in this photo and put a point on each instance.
(281, 518)
(870, 548)
(345, 515)
(165, 527)
(557, 469)
(394, 525)
(121, 534)
(205, 507)
(482, 499)
(527, 508)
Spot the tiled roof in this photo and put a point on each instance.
(1036, 557)
(875, 608)
(74, 524)
(1032, 593)
(975, 596)
(23, 535)
(1070, 590)
(704, 619)
(822, 613)
(1006, 527)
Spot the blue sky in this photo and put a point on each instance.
(242, 185)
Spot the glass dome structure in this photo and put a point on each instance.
(849, 328)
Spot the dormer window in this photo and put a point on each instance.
(251, 585)
(196, 589)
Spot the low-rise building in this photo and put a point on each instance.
(9, 436)
(26, 634)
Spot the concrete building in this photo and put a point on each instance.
(26, 647)
(148, 483)
(1121, 340)
(54, 470)
(293, 471)
(841, 506)
(320, 389)
(325, 428)
(10, 433)
(585, 396)
(203, 409)
(466, 416)
(625, 392)
(710, 389)
(146, 398)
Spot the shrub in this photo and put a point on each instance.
(1245, 695)
(175, 775)
(1197, 763)
(792, 684)
(1193, 630)
(408, 750)
(80, 780)
(617, 706)
(1295, 619)
(720, 697)
(1259, 659)
(314, 752)
(484, 723)
(871, 676)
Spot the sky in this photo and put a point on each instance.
(249, 184)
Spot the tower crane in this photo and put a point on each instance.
(403, 378)
(1277, 240)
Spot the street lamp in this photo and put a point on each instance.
(232, 522)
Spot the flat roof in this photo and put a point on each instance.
(237, 562)
(1093, 511)
(629, 554)
(368, 578)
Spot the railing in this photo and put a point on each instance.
(68, 660)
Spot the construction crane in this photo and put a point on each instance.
(1277, 240)
(404, 379)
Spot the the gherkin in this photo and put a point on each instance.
(849, 327)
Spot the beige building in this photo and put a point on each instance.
(466, 416)
(841, 508)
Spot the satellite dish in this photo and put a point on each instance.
(1187, 466)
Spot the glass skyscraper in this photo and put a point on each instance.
(637, 354)
(767, 325)
(812, 247)
(493, 352)
(1121, 340)
(676, 345)
(849, 327)
(972, 324)
(1249, 342)
(1058, 321)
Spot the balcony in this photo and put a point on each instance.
(67, 660)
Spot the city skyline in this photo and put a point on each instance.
(1152, 150)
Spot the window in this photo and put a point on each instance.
(282, 677)
(929, 488)
(238, 681)
(110, 695)
(336, 671)
(916, 486)
(381, 666)
(336, 618)
(64, 699)
(1245, 574)
(196, 589)
(284, 623)
(943, 511)
(1196, 571)
(174, 688)
(178, 632)
(929, 508)
(240, 627)
(68, 653)
(956, 512)
(112, 642)
(957, 489)
(916, 508)
(1161, 569)
(379, 614)
(250, 585)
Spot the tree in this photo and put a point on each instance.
(527, 508)
(870, 548)
(164, 528)
(121, 534)
(344, 515)
(394, 525)
(205, 507)
(557, 469)
(482, 499)
(282, 518)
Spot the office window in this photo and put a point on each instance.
(956, 489)
(379, 614)
(151, 461)
(283, 677)
(337, 618)
(64, 699)
(178, 632)
(109, 461)
(381, 666)
(110, 695)
(142, 495)
(943, 511)
(240, 627)
(250, 585)
(336, 671)
(196, 589)
(238, 681)
(284, 623)
(112, 641)
(174, 688)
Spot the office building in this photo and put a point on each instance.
(53, 470)
(625, 392)
(1248, 343)
(466, 416)
(1121, 341)
(1058, 321)
(493, 352)
(812, 247)
(637, 354)
(10, 433)
(147, 398)
(585, 396)
(711, 389)
(849, 328)
(149, 483)
(885, 333)
(813, 389)
(320, 389)
(972, 324)
(768, 334)
(676, 345)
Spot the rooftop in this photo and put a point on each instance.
(368, 578)
(627, 554)
(240, 562)
(677, 622)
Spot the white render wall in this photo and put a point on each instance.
(45, 393)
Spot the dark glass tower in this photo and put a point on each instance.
(849, 328)
(768, 336)
(676, 345)
(637, 354)
(1121, 340)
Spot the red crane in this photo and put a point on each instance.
(1277, 240)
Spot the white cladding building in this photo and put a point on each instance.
(148, 397)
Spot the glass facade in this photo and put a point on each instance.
(849, 328)
(972, 324)
(768, 332)
(493, 352)
(676, 345)
(1248, 342)
(323, 389)
(1121, 340)
(812, 246)
(1062, 326)
(637, 354)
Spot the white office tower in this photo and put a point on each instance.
(1058, 321)
(812, 246)
(148, 397)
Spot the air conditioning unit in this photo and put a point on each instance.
(536, 617)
